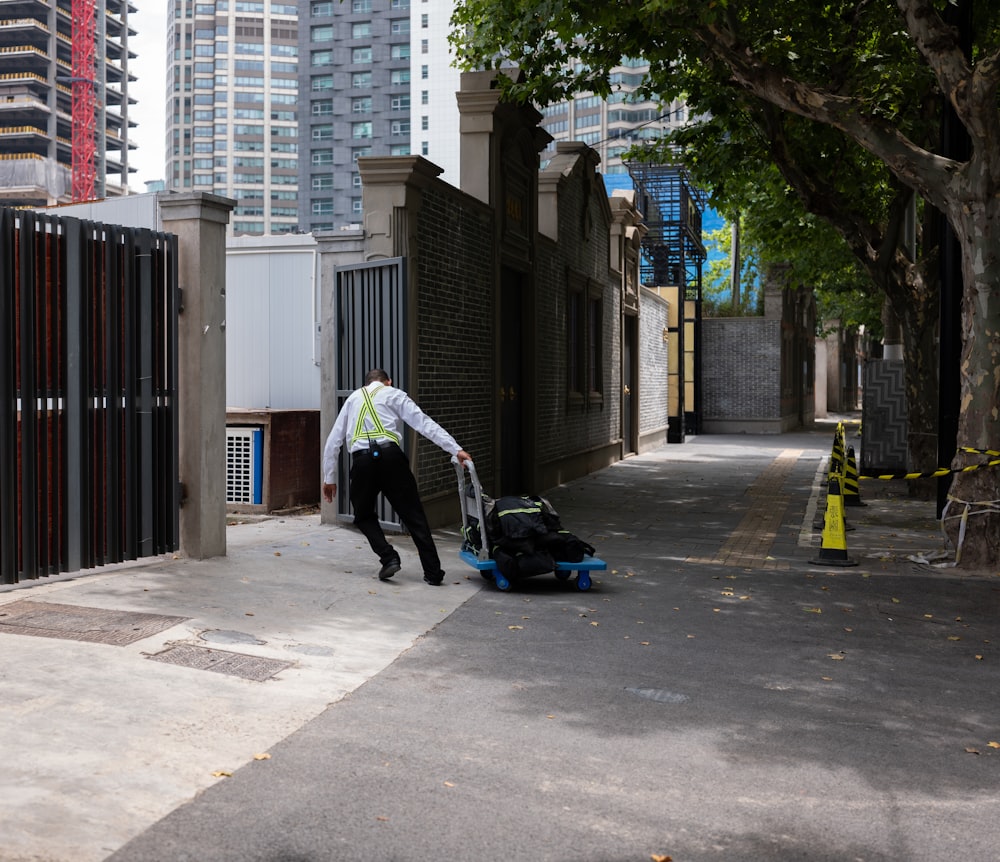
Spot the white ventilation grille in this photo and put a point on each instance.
(239, 465)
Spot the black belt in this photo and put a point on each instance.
(373, 450)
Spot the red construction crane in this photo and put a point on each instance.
(84, 100)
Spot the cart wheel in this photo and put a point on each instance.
(562, 574)
(583, 581)
(501, 582)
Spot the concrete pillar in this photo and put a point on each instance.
(199, 220)
(335, 249)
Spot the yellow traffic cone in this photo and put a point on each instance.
(852, 491)
(833, 548)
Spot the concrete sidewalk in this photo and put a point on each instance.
(102, 739)
(201, 666)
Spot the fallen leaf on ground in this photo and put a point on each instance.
(813, 610)
(515, 628)
(221, 773)
(972, 751)
(262, 757)
(993, 744)
(836, 656)
(656, 857)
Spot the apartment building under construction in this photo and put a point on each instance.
(44, 101)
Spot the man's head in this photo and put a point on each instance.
(377, 374)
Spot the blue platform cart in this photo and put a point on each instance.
(479, 558)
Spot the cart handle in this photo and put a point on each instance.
(484, 551)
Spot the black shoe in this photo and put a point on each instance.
(434, 580)
(389, 568)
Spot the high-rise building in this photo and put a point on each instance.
(613, 125)
(232, 117)
(36, 100)
(355, 84)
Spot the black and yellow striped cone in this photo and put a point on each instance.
(833, 548)
(852, 491)
(837, 454)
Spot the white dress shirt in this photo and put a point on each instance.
(394, 408)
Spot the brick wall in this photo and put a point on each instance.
(741, 374)
(654, 409)
(573, 436)
(454, 261)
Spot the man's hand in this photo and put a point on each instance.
(463, 456)
(329, 492)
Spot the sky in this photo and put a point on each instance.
(149, 91)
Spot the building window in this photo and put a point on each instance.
(424, 97)
(322, 182)
(321, 8)
(399, 150)
(361, 130)
(362, 105)
(399, 127)
(424, 123)
(423, 21)
(319, 58)
(322, 207)
(400, 27)
(356, 206)
(399, 4)
(399, 103)
(361, 30)
(400, 52)
(322, 34)
(424, 46)
(361, 80)
(361, 55)
(585, 341)
(360, 6)
(399, 77)
(359, 152)
(322, 133)
(424, 73)
(322, 83)
(425, 148)
(322, 108)
(356, 181)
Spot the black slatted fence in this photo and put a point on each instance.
(88, 394)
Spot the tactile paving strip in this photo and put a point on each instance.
(80, 623)
(220, 661)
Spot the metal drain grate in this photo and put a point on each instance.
(219, 661)
(79, 623)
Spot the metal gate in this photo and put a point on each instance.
(88, 394)
(371, 333)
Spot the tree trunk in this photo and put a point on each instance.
(977, 493)
(917, 309)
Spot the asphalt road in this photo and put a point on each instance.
(682, 709)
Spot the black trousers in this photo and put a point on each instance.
(389, 473)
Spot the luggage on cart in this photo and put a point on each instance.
(517, 537)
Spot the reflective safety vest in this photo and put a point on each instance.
(369, 417)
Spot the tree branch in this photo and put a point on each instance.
(915, 166)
